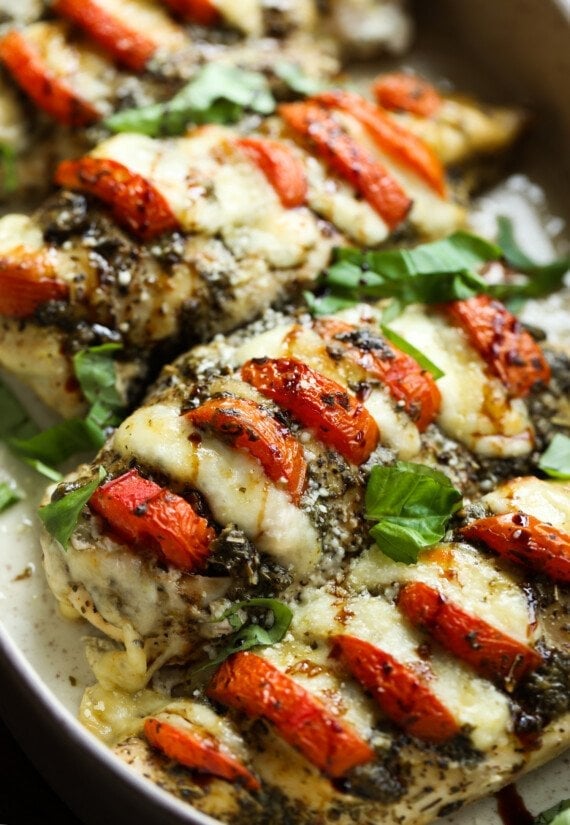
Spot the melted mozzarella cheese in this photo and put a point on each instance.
(145, 17)
(475, 408)
(245, 15)
(547, 501)
(233, 483)
(471, 700)
(213, 189)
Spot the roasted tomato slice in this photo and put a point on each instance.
(142, 512)
(502, 342)
(403, 376)
(252, 685)
(281, 167)
(350, 160)
(490, 652)
(390, 137)
(317, 402)
(197, 750)
(399, 691)
(128, 46)
(202, 12)
(51, 93)
(249, 427)
(525, 540)
(407, 93)
(134, 202)
(28, 280)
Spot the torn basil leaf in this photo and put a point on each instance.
(270, 627)
(97, 376)
(430, 273)
(296, 79)
(14, 420)
(60, 442)
(60, 516)
(218, 93)
(557, 815)
(555, 460)
(412, 505)
(409, 349)
(9, 495)
(512, 252)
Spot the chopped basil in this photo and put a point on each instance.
(557, 815)
(430, 273)
(60, 516)
(296, 79)
(412, 504)
(275, 620)
(555, 460)
(60, 442)
(216, 94)
(9, 181)
(8, 495)
(409, 349)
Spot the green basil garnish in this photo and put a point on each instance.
(60, 442)
(270, 628)
(412, 504)
(14, 420)
(216, 94)
(296, 79)
(557, 815)
(409, 349)
(430, 273)
(97, 376)
(60, 517)
(8, 495)
(555, 460)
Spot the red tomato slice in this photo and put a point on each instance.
(407, 93)
(197, 751)
(525, 540)
(129, 47)
(247, 426)
(394, 139)
(403, 376)
(281, 167)
(317, 402)
(140, 511)
(134, 202)
(398, 690)
(490, 652)
(26, 282)
(252, 685)
(349, 159)
(50, 93)
(502, 342)
(202, 12)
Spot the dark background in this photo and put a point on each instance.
(25, 797)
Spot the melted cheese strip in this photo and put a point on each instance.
(548, 501)
(473, 701)
(397, 431)
(475, 408)
(213, 188)
(150, 20)
(234, 484)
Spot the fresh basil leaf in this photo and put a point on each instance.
(9, 495)
(218, 93)
(430, 273)
(247, 634)
(327, 304)
(43, 469)
(557, 815)
(14, 420)
(412, 504)
(97, 376)
(8, 169)
(507, 241)
(555, 460)
(60, 442)
(60, 516)
(296, 79)
(409, 349)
